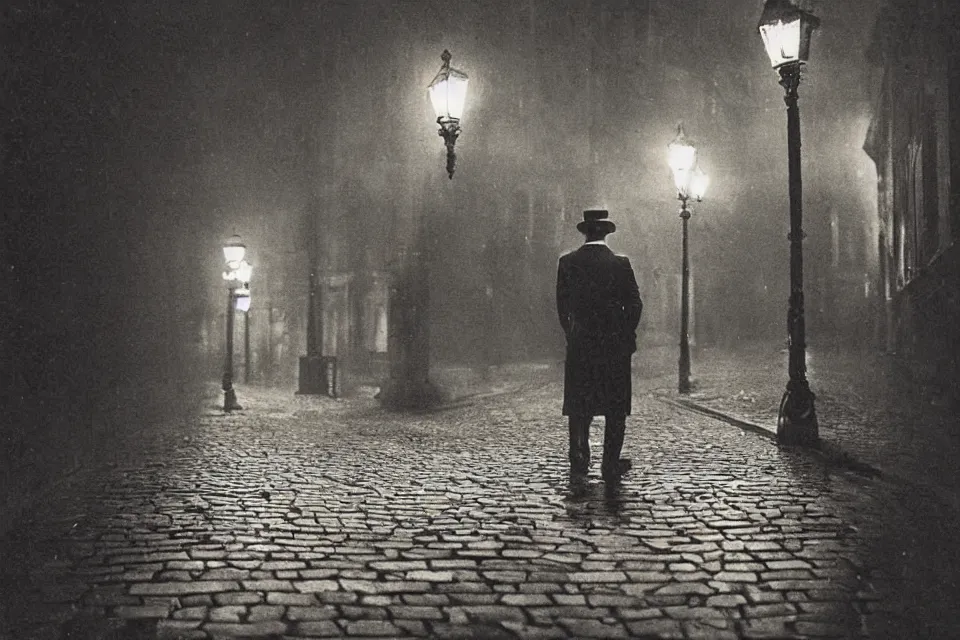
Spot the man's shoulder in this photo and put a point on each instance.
(572, 255)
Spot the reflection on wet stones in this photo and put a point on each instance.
(350, 521)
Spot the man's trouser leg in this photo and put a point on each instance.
(580, 444)
(613, 442)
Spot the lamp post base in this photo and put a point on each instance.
(311, 376)
(230, 401)
(797, 420)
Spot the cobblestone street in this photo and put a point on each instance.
(311, 517)
(869, 411)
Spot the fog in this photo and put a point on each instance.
(137, 138)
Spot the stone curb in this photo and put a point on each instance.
(831, 454)
(828, 452)
(746, 425)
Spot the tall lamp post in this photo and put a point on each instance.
(237, 276)
(690, 181)
(242, 297)
(448, 92)
(408, 384)
(310, 380)
(786, 32)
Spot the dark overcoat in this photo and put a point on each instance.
(599, 306)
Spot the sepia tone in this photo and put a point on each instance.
(363, 436)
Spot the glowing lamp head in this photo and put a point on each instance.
(699, 181)
(681, 156)
(448, 91)
(786, 31)
(244, 271)
(242, 300)
(234, 250)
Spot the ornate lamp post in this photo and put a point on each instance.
(408, 384)
(237, 275)
(448, 92)
(690, 181)
(786, 32)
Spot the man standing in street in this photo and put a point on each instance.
(599, 306)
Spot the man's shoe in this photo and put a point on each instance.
(612, 473)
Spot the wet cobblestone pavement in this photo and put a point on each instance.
(868, 410)
(309, 517)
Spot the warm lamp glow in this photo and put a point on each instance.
(244, 271)
(448, 91)
(786, 32)
(242, 300)
(681, 156)
(234, 250)
(699, 181)
(681, 153)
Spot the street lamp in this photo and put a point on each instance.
(408, 384)
(786, 32)
(309, 377)
(242, 303)
(448, 92)
(690, 181)
(237, 275)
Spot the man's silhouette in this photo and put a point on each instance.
(599, 308)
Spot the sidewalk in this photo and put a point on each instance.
(869, 414)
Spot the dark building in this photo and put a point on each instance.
(914, 139)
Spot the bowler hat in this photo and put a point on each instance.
(598, 219)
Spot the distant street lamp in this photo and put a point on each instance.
(786, 32)
(242, 298)
(237, 275)
(690, 181)
(448, 92)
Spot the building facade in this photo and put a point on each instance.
(914, 139)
